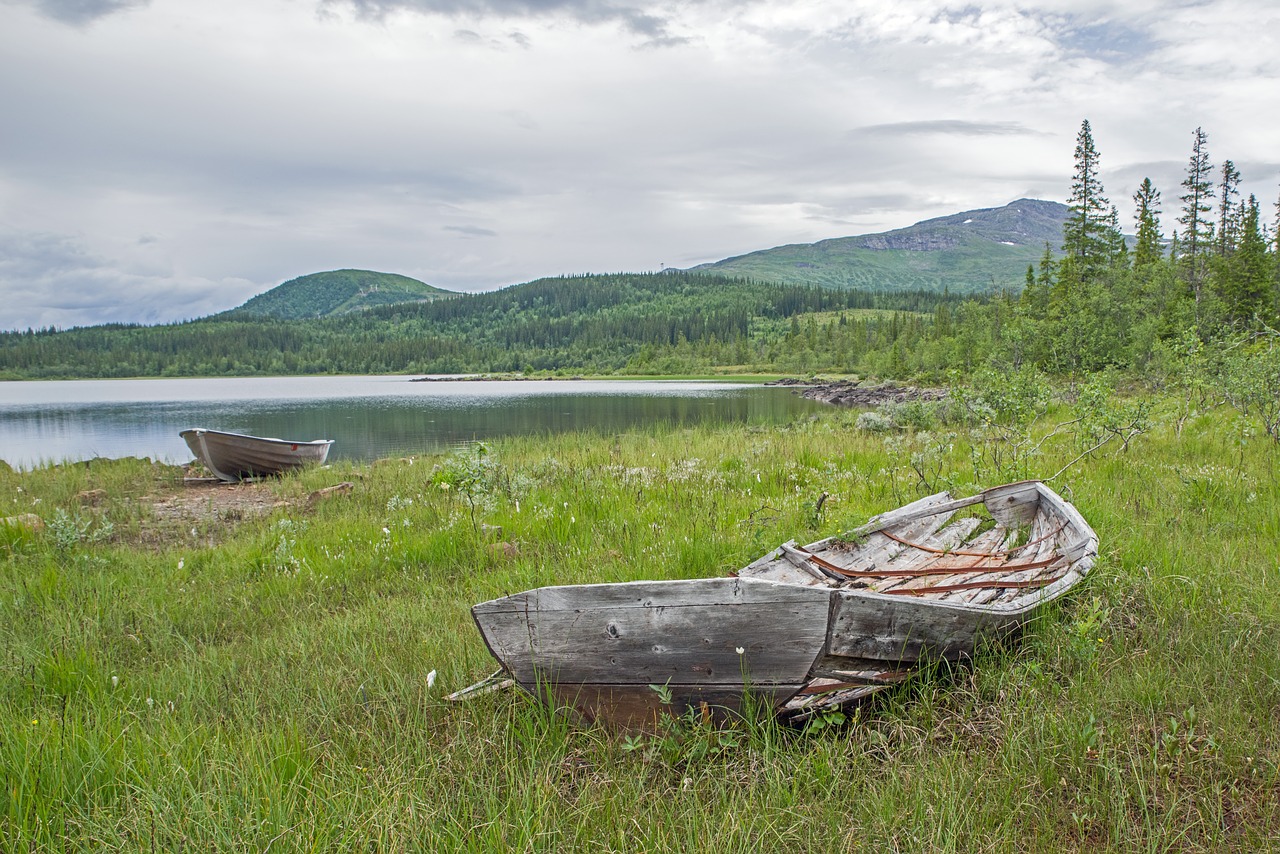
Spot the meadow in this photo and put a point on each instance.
(183, 672)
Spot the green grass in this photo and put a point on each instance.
(211, 682)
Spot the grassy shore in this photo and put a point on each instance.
(228, 668)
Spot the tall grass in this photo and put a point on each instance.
(231, 681)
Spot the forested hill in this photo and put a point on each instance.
(338, 292)
(977, 251)
(641, 323)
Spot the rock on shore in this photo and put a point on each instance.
(849, 393)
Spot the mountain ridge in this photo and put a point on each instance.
(972, 251)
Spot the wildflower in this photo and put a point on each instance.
(431, 679)
(386, 531)
(150, 703)
(181, 562)
(115, 681)
(739, 650)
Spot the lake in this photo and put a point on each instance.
(368, 416)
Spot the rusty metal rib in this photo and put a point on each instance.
(938, 551)
(934, 570)
(973, 585)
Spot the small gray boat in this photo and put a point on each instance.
(234, 456)
(802, 629)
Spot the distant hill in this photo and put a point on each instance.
(338, 292)
(971, 252)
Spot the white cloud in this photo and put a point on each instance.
(189, 155)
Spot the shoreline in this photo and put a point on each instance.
(849, 393)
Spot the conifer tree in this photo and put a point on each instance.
(1089, 238)
(1197, 232)
(1228, 216)
(1246, 284)
(1147, 251)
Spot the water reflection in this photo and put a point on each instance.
(369, 417)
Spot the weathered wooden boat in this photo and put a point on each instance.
(801, 629)
(235, 456)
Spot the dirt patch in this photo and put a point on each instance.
(848, 393)
(201, 500)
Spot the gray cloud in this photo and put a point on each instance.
(81, 12)
(53, 280)
(158, 168)
(471, 231)
(950, 127)
(654, 29)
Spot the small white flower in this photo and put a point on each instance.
(431, 679)
(739, 650)
(572, 520)
(386, 531)
(115, 681)
(150, 702)
(181, 562)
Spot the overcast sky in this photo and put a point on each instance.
(166, 159)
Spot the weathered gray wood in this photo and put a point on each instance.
(683, 632)
(598, 648)
(1014, 504)
(986, 542)
(949, 537)
(898, 629)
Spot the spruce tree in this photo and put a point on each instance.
(1247, 285)
(1147, 251)
(1197, 232)
(1089, 237)
(1228, 216)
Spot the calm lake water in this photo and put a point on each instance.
(368, 417)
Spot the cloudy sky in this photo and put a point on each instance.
(166, 159)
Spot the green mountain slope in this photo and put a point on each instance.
(642, 323)
(338, 292)
(972, 252)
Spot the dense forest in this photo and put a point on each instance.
(632, 323)
(1204, 294)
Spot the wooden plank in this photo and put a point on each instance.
(682, 632)
(897, 629)
(986, 542)
(1014, 504)
(949, 537)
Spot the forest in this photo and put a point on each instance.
(1199, 299)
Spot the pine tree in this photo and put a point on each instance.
(1197, 232)
(1148, 251)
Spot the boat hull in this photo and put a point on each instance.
(235, 456)
(629, 652)
(801, 629)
